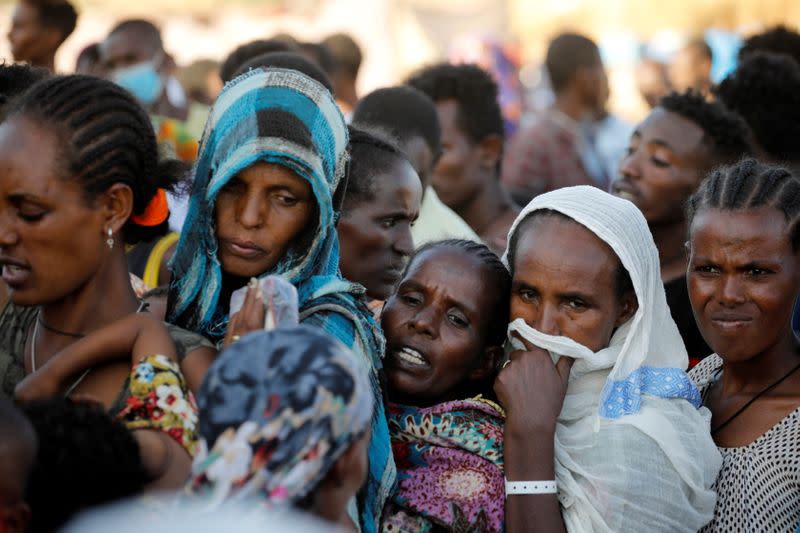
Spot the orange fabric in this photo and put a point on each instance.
(156, 211)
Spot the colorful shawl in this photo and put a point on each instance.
(450, 468)
(283, 117)
(278, 409)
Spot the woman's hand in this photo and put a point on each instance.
(249, 318)
(531, 389)
(45, 383)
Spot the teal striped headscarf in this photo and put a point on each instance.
(286, 118)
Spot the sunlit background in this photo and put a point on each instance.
(398, 36)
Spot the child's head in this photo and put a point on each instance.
(85, 459)
(446, 323)
(17, 453)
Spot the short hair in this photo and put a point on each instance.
(85, 459)
(287, 60)
(146, 30)
(725, 134)
(17, 78)
(372, 153)
(566, 55)
(777, 40)
(321, 55)
(59, 15)
(479, 114)
(765, 91)
(623, 282)
(405, 112)
(248, 51)
(499, 279)
(751, 184)
(345, 52)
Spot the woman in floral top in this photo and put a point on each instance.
(444, 329)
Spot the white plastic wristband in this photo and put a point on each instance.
(531, 487)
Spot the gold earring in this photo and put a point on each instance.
(110, 240)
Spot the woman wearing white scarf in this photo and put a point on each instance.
(619, 430)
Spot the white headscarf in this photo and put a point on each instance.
(633, 451)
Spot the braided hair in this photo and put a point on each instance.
(750, 184)
(498, 277)
(725, 134)
(105, 138)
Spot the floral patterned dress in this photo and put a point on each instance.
(450, 468)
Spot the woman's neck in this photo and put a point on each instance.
(756, 373)
(105, 298)
(670, 239)
(486, 207)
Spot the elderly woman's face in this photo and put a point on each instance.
(52, 241)
(565, 282)
(259, 213)
(743, 280)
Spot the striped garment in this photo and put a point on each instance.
(283, 117)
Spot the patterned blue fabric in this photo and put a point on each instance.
(621, 398)
(283, 117)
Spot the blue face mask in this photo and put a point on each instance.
(141, 80)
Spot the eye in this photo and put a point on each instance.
(757, 272)
(706, 269)
(576, 304)
(411, 298)
(457, 320)
(32, 217)
(234, 186)
(388, 223)
(659, 162)
(527, 295)
(287, 200)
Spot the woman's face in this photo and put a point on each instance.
(375, 235)
(565, 282)
(435, 327)
(665, 163)
(52, 241)
(259, 213)
(743, 280)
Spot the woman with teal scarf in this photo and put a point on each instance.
(265, 202)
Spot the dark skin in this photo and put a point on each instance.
(466, 180)
(259, 213)
(128, 48)
(375, 234)
(564, 283)
(422, 159)
(30, 40)
(743, 279)
(439, 314)
(39, 214)
(665, 164)
(584, 96)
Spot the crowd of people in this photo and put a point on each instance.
(383, 312)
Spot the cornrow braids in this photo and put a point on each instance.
(105, 138)
(725, 134)
(750, 184)
(372, 152)
(499, 277)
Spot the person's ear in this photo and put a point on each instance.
(15, 517)
(487, 366)
(490, 151)
(630, 304)
(116, 204)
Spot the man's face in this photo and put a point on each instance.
(123, 50)
(30, 41)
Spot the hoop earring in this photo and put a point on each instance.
(110, 240)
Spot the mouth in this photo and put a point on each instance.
(410, 358)
(243, 249)
(731, 322)
(624, 190)
(14, 273)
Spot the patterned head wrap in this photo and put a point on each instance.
(275, 116)
(280, 408)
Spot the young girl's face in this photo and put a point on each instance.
(435, 327)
